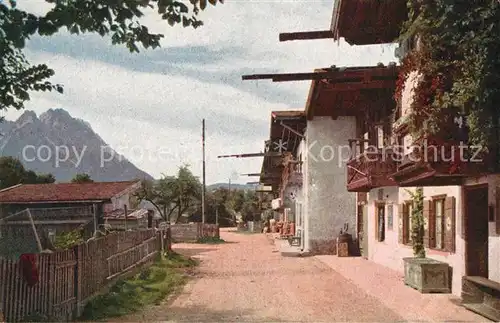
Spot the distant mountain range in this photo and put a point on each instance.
(233, 186)
(35, 141)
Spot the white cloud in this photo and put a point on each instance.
(130, 108)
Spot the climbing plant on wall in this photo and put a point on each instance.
(458, 64)
(417, 222)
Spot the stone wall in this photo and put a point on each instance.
(192, 232)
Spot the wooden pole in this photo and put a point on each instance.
(306, 35)
(204, 183)
(37, 238)
(126, 215)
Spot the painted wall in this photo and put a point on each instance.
(390, 252)
(329, 206)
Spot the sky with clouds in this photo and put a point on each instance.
(156, 99)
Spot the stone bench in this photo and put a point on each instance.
(482, 296)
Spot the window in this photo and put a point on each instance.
(380, 221)
(380, 137)
(437, 225)
(299, 169)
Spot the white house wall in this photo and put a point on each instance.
(390, 252)
(328, 203)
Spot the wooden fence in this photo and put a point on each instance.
(69, 279)
(193, 231)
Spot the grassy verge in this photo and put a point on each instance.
(150, 286)
(210, 240)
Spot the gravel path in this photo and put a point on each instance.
(246, 280)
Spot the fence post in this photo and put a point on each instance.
(78, 280)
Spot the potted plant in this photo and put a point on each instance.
(421, 273)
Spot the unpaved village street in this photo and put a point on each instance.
(247, 280)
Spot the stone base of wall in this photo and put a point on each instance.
(323, 247)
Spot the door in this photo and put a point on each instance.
(361, 231)
(476, 231)
(380, 221)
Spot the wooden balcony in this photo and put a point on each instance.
(437, 163)
(370, 170)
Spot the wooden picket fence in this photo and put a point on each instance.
(69, 279)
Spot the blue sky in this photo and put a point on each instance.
(157, 98)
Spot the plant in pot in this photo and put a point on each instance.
(421, 273)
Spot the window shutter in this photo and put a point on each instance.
(432, 225)
(449, 224)
(427, 222)
(401, 223)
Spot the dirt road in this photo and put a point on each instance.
(247, 280)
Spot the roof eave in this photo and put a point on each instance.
(54, 202)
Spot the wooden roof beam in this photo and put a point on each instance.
(268, 154)
(262, 174)
(306, 35)
(336, 74)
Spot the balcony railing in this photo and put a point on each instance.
(440, 161)
(370, 170)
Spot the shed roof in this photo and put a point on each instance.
(65, 192)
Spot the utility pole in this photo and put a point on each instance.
(204, 184)
(217, 215)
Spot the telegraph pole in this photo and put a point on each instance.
(204, 184)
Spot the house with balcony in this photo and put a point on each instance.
(389, 162)
(460, 186)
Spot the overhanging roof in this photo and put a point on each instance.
(360, 22)
(285, 134)
(352, 89)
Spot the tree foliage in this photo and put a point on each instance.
(12, 172)
(417, 222)
(173, 196)
(121, 19)
(230, 206)
(82, 178)
(458, 65)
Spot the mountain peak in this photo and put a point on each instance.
(64, 146)
(28, 116)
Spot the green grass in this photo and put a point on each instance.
(210, 240)
(148, 287)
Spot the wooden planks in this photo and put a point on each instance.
(68, 279)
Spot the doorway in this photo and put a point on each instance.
(362, 230)
(380, 222)
(476, 230)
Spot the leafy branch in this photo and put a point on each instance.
(417, 222)
(121, 19)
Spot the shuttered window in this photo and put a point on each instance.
(440, 231)
(406, 222)
(439, 224)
